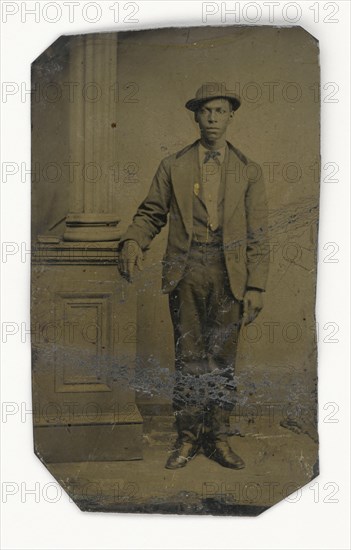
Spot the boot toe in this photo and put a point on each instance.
(181, 456)
(223, 455)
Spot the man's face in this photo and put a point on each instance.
(213, 118)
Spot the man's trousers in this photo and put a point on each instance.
(206, 322)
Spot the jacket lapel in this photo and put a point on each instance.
(186, 181)
(235, 185)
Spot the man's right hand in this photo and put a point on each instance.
(130, 256)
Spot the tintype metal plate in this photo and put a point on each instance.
(175, 204)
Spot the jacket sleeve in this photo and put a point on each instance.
(151, 215)
(257, 251)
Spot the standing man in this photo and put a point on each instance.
(214, 270)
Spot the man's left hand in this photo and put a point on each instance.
(253, 303)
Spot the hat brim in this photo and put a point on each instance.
(195, 104)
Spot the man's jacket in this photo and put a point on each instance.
(245, 243)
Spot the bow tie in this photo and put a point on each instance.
(211, 155)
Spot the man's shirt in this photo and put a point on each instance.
(209, 192)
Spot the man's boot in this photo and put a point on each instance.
(215, 439)
(189, 424)
(181, 454)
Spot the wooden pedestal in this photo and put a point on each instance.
(84, 349)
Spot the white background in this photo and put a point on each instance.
(308, 520)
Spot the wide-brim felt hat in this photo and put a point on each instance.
(209, 91)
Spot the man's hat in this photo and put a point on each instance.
(212, 90)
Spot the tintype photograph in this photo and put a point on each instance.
(175, 200)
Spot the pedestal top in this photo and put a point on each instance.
(81, 253)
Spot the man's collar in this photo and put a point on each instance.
(203, 151)
(193, 147)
